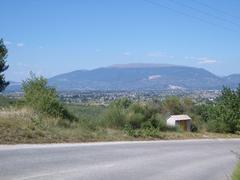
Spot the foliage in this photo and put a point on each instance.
(224, 114)
(115, 115)
(89, 117)
(6, 102)
(3, 66)
(172, 105)
(221, 116)
(141, 120)
(43, 99)
(86, 112)
(202, 111)
(139, 115)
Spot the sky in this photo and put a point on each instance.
(49, 37)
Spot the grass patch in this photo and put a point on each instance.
(25, 126)
(236, 172)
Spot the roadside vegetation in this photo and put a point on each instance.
(39, 117)
(236, 172)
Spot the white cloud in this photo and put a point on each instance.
(206, 60)
(20, 44)
(202, 60)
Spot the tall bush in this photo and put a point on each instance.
(224, 115)
(43, 99)
(115, 116)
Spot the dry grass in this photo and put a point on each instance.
(22, 126)
(15, 113)
(25, 126)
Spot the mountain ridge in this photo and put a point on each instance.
(142, 76)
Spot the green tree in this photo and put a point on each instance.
(43, 99)
(115, 116)
(172, 105)
(187, 104)
(3, 66)
(224, 115)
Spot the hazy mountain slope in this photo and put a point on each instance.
(138, 78)
(232, 80)
(13, 87)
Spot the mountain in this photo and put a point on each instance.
(13, 87)
(142, 77)
(139, 77)
(232, 80)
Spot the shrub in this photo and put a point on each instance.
(153, 107)
(6, 102)
(133, 116)
(115, 116)
(148, 132)
(146, 125)
(202, 111)
(134, 120)
(158, 122)
(224, 115)
(138, 108)
(43, 99)
(172, 105)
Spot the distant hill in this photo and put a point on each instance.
(14, 87)
(139, 77)
(232, 80)
(142, 77)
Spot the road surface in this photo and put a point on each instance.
(156, 160)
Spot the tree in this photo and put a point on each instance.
(3, 66)
(172, 105)
(224, 115)
(115, 116)
(44, 99)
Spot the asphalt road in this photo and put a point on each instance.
(159, 160)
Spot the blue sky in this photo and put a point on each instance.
(50, 37)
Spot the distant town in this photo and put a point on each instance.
(105, 97)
